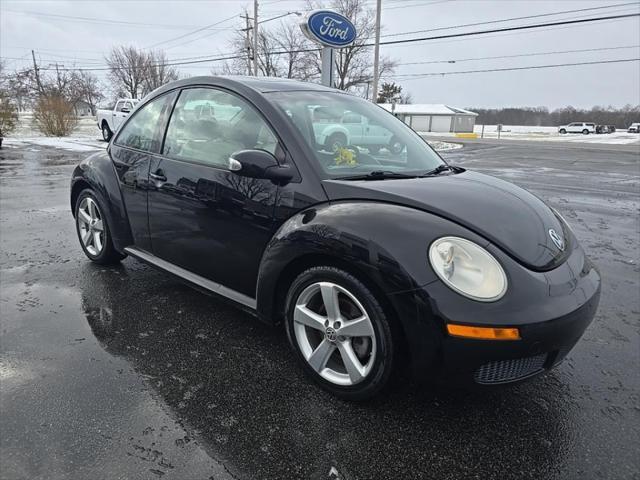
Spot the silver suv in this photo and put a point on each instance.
(578, 127)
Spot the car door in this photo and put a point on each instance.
(353, 123)
(203, 217)
(136, 143)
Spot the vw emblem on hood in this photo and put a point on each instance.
(557, 239)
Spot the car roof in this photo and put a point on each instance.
(259, 84)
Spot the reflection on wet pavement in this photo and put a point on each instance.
(125, 373)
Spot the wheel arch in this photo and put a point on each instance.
(98, 174)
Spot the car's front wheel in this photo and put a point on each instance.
(93, 230)
(106, 132)
(562, 131)
(339, 332)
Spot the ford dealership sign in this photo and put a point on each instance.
(329, 29)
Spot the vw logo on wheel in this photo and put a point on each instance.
(331, 334)
(557, 239)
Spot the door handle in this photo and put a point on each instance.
(158, 175)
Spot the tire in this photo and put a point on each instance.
(106, 132)
(313, 332)
(585, 132)
(92, 225)
(562, 131)
(395, 146)
(335, 141)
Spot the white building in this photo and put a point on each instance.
(434, 117)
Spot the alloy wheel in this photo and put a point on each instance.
(91, 226)
(334, 333)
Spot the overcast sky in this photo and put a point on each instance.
(26, 25)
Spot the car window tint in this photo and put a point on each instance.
(142, 131)
(208, 125)
(119, 106)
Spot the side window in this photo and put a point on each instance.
(351, 118)
(208, 125)
(119, 105)
(143, 131)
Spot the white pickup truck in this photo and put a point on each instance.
(352, 129)
(110, 120)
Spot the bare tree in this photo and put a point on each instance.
(128, 69)
(88, 89)
(158, 71)
(282, 52)
(285, 52)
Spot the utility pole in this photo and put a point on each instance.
(376, 52)
(255, 37)
(247, 41)
(37, 73)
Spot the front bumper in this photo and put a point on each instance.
(551, 310)
(541, 347)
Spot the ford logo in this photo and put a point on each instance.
(329, 29)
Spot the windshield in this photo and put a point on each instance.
(351, 136)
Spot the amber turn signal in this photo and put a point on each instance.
(483, 333)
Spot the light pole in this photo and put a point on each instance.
(255, 37)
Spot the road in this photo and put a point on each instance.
(124, 373)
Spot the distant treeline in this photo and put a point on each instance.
(541, 116)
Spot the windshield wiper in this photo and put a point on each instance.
(377, 175)
(443, 168)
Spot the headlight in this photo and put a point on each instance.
(468, 269)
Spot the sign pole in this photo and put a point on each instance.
(327, 66)
(376, 53)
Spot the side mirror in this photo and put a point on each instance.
(259, 164)
(125, 110)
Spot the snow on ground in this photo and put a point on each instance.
(443, 146)
(85, 138)
(550, 134)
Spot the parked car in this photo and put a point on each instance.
(603, 129)
(364, 259)
(634, 128)
(109, 120)
(578, 127)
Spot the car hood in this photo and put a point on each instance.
(515, 220)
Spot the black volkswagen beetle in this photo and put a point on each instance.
(313, 208)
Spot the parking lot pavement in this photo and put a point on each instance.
(125, 373)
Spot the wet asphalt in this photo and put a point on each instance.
(124, 373)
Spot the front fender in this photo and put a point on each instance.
(98, 173)
(385, 244)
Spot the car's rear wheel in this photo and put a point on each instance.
(395, 146)
(585, 132)
(93, 230)
(339, 332)
(563, 131)
(106, 132)
(373, 149)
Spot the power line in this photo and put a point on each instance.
(510, 19)
(408, 40)
(417, 76)
(206, 27)
(535, 54)
(507, 29)
(101, 20)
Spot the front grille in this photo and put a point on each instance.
(502, 371)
